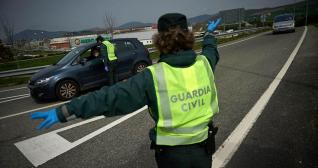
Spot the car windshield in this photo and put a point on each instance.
(69, 56)
(283, 18)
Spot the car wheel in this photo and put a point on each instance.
(67, 89)
(140, 66)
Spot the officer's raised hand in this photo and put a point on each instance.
(50, 118)
(212, 25)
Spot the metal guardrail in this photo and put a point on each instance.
(22, 71)
(32, 70)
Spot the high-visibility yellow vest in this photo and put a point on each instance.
(187, 101)
(110, 50)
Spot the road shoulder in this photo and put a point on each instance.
(286, 133)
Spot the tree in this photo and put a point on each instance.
(7, 29)
(5, 53)
(109, 22)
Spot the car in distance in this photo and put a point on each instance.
(283, 23)
(77, 72)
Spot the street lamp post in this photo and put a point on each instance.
(306, 22)
(295, 9)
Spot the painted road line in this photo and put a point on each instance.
(12, 89)
(43, 148)
(37, 109)
(225, 152)
(3, 98)
(22, 97)
(245, 39)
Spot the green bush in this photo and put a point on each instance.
(16, 80)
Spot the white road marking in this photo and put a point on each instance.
(28, 111)
(12, 89)
(225, 152)
(14, 96)
(242, 40)
(39, 150)
(17, 114)
(21, 97)
(45, 147)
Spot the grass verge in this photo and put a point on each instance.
(31, 63)
(15, 80)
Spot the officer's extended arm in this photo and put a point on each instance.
(122, 98)
(209, 44)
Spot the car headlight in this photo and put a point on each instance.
(43, 81)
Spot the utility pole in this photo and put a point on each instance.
(239, 19)
(306, 22)
(295, 9)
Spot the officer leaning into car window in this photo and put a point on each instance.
(110, 59)
(179, 91)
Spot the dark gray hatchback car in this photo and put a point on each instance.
(77, 72)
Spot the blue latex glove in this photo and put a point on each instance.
(50, 118)
(212, 25)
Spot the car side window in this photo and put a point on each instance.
(88, 55)
(129, 46)
(119, 46)
(124, 46)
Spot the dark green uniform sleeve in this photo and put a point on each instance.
(121, 98)
(103, 53)
(209, 49)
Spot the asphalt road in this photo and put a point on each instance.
(285, 135)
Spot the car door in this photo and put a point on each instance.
(90, 72)
(126, 52)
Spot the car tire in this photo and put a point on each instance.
(67, 89)
(140, 66)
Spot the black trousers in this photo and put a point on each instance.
(188, 156)
(112, 73)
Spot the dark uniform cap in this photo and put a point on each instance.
(99, 38)
(171, 20)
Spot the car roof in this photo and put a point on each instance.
(120, 39)
(89, 45)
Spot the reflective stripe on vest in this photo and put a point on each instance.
(110, 50)
(187, 101)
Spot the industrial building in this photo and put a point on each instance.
(143, 36)
(60, 43)
(65, 43)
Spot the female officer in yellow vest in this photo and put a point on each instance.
(179, 91)
(110, 59)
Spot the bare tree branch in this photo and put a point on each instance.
(109, 22)
(7, 28)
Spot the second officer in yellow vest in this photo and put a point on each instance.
(110, 59)
(179, 91)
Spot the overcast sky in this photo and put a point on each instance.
(73, 15)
